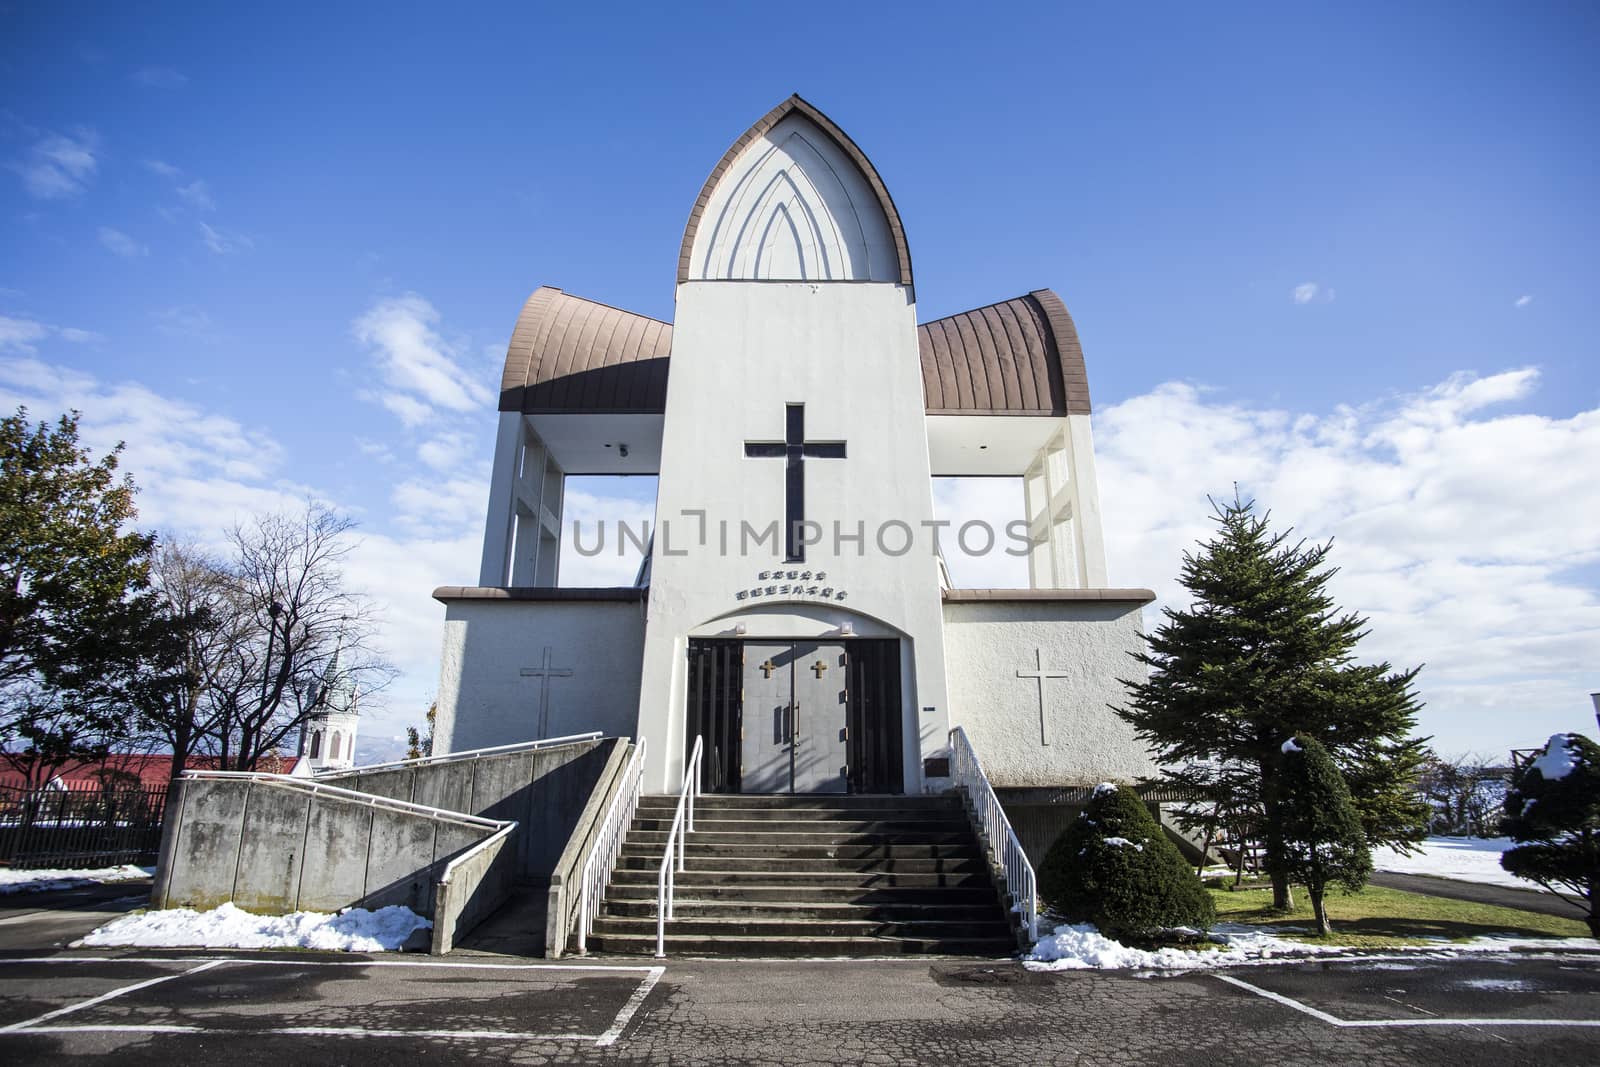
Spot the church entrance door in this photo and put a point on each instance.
(795, 698)
(796, 716)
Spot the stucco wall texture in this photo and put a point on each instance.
(987, 643)
(484, 699)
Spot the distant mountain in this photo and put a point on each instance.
(379, 749)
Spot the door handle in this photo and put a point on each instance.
(794, 723)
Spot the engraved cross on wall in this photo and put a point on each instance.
(544, 672)
(1041, 676)
(796, 450)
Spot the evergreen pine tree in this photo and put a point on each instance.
(1114, 867)
(1323, 840)
(1262, 654)
(1553, 815)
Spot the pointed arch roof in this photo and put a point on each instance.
(891, 215)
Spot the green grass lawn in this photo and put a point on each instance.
(1380, 918)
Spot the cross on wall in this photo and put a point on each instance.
(795, 449)
(544, 672)
(1041, 675)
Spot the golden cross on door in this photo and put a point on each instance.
(767, 668)
(819, 667)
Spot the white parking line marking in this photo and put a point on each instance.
(1279, 998)
(1363, 1024)
(620, 1023)
(339, 963)
(305, 1031)
(103, 997)
(652, 974)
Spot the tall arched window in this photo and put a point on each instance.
(316, 743)
(333, 752)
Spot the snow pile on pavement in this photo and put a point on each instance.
(14, 881)
(1466, 859)
(1079, 946)
(352, 930)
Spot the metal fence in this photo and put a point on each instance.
(81, 826)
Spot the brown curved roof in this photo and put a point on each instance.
(769, 120)
(1017, 357)
(575, 355)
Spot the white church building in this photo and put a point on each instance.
(794, 610)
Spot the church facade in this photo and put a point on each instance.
(794, 610)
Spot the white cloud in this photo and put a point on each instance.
(1523, 301)
(119, 243)
(446, 451)
(185, 321)
(421, 370)
(1461, 532)
(197, 194)
(160, 78)
(223, 242)
(1309, 292)
(20, 335)
(59, 165)
(164, 169)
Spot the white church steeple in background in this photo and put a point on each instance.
(328, 738)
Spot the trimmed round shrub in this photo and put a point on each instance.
(1114, 867)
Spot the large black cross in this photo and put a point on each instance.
(795, 448)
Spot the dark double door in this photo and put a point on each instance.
(781, 716)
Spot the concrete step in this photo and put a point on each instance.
(821, 876)
(765, 827)
(807, 801)
(809, 948)
(762, 911)
(803, 929)
(704, 813)
(897, 838)
(972, 864)
(768, 892)
(750, 848)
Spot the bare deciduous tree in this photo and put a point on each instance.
(297, 630)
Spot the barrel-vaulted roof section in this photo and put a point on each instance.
(897, 232)
(574, 355)
(1017, 357)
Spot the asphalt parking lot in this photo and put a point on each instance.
(72, 1006)
(299, 1007)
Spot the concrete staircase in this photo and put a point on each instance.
(809, 875)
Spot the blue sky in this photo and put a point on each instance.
(1345, 255)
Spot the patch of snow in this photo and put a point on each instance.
(1079, 946)
(1558, 759)
(1466, 859)
(1123, 842)
(1105, 787)
(14, 881)
(228, 926)
(1499, 985)
(1290, 746)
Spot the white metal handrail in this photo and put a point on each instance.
(995, 829)
(471, 753)
(369, 799)
(682, 827)
(450, 868)
(608, 845)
